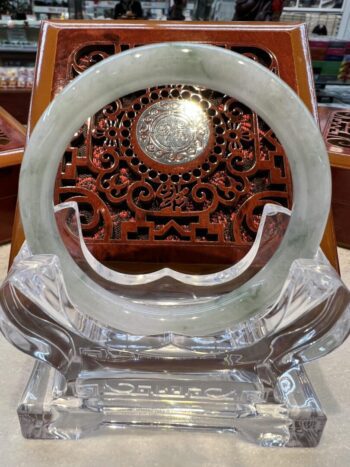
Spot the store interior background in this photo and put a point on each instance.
(330, 53)
(20, 26)
(327, 23)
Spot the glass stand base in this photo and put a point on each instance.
(247, 379)
(265, 409)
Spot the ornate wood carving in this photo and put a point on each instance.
(69, 47)
(338, 133)
(335, 126)
(128, 196)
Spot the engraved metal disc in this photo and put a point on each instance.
(173, 131)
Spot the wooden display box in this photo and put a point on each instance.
(107, 172)
(12, 139)
(16, 101)
(335, 126)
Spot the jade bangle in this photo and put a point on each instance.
(199, 65)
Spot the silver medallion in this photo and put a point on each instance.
(173, 131)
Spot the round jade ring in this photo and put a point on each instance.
(199, 65)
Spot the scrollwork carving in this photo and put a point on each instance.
(161, 176)
(339, 129)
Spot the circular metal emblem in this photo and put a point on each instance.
(173, 131)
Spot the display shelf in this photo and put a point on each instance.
(18, 42)
(314, 5)
(334, 14)
(324, 81)
(331, 20)
(16, 77)
(31, 23)
(151, 10)
(58, 10)
(328, 56)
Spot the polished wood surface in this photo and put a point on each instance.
(12, 135)
(335, 126)
(16, 101)
(12, 139)
(117, 232)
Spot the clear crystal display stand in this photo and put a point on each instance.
(222, 351)
(249, 380)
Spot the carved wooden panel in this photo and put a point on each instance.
(338, 130)
(127, 196)
(335, 125)
(205, 206)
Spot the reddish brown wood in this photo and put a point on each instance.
(132, 209)
(335, 126)
(12, 138)
(208, 209)
(16, 101)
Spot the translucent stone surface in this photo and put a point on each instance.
(200, 65)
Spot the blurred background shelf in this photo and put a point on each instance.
(18, 38)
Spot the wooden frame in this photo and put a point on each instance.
(59, 41)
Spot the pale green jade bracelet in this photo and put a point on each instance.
(199, 65)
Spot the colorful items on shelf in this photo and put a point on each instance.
(344, 71)
(16, 77)
(327, 54)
